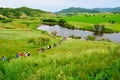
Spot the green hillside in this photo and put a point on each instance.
(72, 60)
(21, 12)
(77, 10)
(116, 9)
(94, 10)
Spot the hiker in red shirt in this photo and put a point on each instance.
(39, 50)
(20, 54)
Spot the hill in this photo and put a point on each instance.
(117, 9)
(94, 10)
(21, 12)
(77, 10)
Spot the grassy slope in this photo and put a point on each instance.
(14, 41)
(72, 60)
(84, 22)
(15, 35)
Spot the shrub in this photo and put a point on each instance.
(113, 22)
(78, 37)
(32, 40)
(54, 33)
(75, 37)
(42, 41)
(6, 21)
(49, 20)
(71, 36)
(39, 41)
(105, 39)
(62, 22)
(89, 37)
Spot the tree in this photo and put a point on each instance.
(98, 27)
(62, 22)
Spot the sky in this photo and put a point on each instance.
(56, 5)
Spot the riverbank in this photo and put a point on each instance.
(109, 28)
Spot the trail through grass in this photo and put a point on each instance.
(73, 59)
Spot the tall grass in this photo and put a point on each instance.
(88, 61)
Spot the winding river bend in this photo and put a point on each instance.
(65, 32)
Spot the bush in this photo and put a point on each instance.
(105, 39)
(78, 37)
(89, 37)
(2, 18)
(49, 20)
(42, 41)
(75, 37)
(62, 22)
(6, 21)
(54, 33)
(39, 41)
(32, 40)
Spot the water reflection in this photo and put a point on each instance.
(68, 32)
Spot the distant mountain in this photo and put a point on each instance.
(21, 12)
(77, 10)
(117, 9)
(94, 10)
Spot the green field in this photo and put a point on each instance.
(86, 22)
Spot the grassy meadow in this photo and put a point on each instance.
(14, 41)
(73, 59)
(15, 36)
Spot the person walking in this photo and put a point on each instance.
(4, 58)
(17, 55)
(39, 50)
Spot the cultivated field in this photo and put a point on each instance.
(86, 21)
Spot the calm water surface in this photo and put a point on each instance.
(65, 32)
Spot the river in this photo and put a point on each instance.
(65, 32)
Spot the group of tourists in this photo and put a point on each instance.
(21, 54)
(27, 54)
(47, 47)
